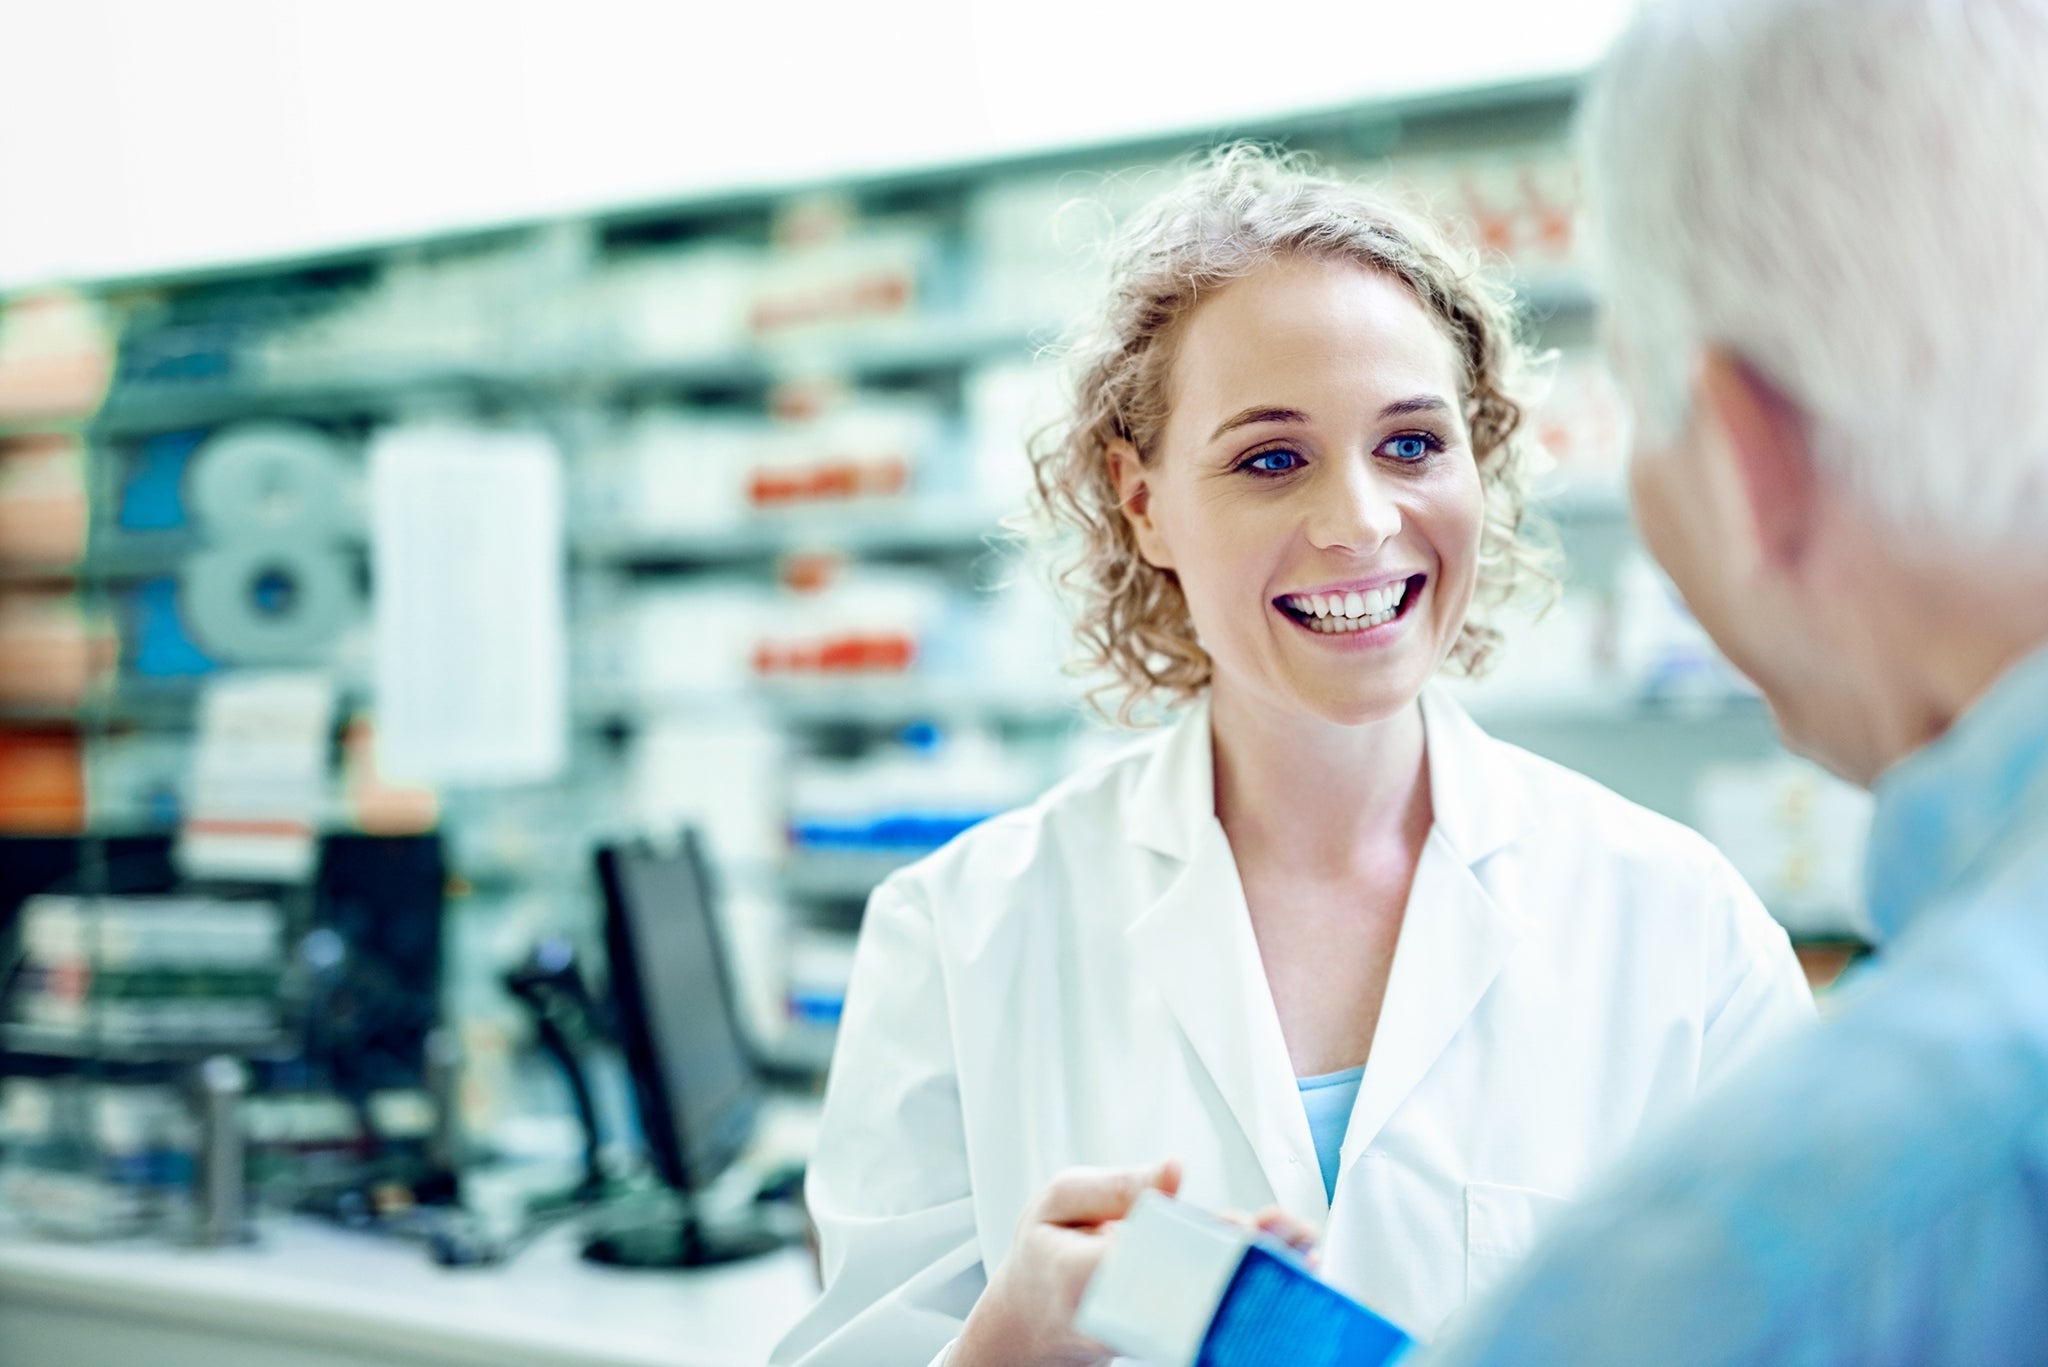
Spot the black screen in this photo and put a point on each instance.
(692, 1076)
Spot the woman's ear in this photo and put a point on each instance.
(1134, 501)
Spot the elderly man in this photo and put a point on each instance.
(1826, 223)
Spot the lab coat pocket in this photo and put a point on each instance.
(1502, 1224)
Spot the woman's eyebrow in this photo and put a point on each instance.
(1253, 416)
(1421, 403)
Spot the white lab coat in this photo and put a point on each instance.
(1077, 982)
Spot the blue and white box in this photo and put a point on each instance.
(1181, 1288)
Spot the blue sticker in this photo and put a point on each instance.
(153, 496)
(163, 648)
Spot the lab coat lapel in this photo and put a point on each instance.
(1455, 938)
(1194, 944)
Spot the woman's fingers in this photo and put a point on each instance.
(1296, 1233)
(1093, 1196)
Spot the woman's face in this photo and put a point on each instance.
(1314, 489)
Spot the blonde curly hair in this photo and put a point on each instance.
(1240, 208)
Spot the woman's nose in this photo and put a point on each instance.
(1354, 511)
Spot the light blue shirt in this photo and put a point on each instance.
(1328, 1099)
(1878, 1192)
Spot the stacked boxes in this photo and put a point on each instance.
(94, 1160)
(147, 974)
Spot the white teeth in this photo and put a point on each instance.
(1337, 625)
(1349, 611)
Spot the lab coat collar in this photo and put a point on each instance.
(1195, 945)
(1477, 794)
(1196, 941)
(1455, 940)
(1175, 796)
(1477, 797)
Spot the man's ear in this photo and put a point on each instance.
(1767, 434)
(1134, 501)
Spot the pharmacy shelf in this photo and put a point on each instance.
(874, 528)
(131, 702)
(841, 875)
(878, 528)
(897, 351)
(906, 349)
(33, 1042)
(917, 347)
(892, 703)
(1614, 709)
(118, 557)
(165, 707)
(142, 408)
(869, 703)
(804, 1049)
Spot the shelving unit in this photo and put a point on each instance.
(895, 532)
(583, 328)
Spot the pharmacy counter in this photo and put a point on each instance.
(312, 1296)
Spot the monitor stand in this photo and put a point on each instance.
(665, 1232)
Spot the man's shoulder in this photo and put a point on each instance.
(1878, 1155)
(1916, 1093)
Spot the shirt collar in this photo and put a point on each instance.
(1476, 795)
(1944, 808)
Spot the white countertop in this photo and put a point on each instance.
(311, 1283)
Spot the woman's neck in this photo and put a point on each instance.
(1322, 796)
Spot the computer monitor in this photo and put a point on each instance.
(694, 1080)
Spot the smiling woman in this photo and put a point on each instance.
(1324, 540)
(1251, 212)
(1323, 950)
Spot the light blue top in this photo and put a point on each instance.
(1878, 1192)
(1328, 1099)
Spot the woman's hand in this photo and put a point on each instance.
(1026, 1316)
(1299, 1235)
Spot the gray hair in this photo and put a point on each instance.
(1852, 195)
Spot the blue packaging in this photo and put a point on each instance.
(1180, 1288)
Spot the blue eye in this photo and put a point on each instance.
(1278, 461)
(1411, 447)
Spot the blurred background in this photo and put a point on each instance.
(477, 479)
